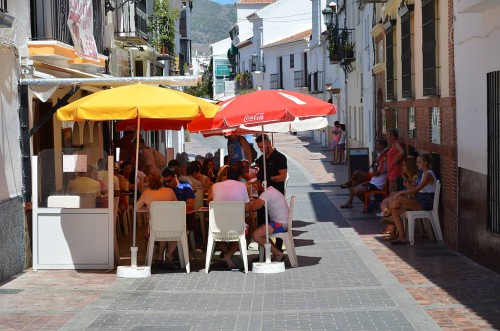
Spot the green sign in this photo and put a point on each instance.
(222, 70)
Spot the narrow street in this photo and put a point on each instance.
(348, 278)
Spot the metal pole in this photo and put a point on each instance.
(133, 249)
(267, 246)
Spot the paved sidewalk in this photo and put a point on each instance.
(348, 279)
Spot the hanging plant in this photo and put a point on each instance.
(332, 48)
(161, 26)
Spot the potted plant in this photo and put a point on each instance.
(349, 50)
(161, 26)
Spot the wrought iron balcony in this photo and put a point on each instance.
(341, 45)
(49, 17)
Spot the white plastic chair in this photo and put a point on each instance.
(168, 223)
(432, 215)
(287, 238)
(226, 222)
(286, 182)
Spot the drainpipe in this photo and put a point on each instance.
(25, 141)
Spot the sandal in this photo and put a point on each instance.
(346, 206)
(399, 242)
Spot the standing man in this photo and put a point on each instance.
(336, 137)
(276, 173)
(231, 189)
(127, 147)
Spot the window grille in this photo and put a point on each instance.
(394, 118)
(3, 5)
(298, 79)
(389, 53)
(429, 47)
(274, 81)
(493, 110)
(411, 123)
(406, 56)
(436, 125)
(292, 61)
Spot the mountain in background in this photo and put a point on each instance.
(210, 22)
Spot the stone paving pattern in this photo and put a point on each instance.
(348, 279)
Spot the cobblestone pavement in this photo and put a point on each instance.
(348, 279)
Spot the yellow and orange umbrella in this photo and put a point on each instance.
(138, 101)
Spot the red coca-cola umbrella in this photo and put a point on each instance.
(263, 107)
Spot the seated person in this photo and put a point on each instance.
(183, 192)
(277, 209)
(411, 178)
(208, 169)
(359, 176)
(221, 176)
(417, 198)
(102, 175)
(231, 189)
(156, 192)
(177, 166)
(86, 187)
(377, 179)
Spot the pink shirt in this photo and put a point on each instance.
(393, 169)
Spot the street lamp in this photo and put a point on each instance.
(331, 22)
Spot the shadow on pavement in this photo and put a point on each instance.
(303, 242)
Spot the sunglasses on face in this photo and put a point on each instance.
(168, 181)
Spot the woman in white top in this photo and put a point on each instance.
(424, 196)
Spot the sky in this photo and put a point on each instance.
(224, 2)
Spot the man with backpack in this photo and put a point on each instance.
(238, 149)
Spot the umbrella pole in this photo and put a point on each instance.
(267, 246)
(133, 249)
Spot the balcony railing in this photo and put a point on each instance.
(125, 29)
(49, 17)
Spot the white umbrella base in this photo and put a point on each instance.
(268, 268)
(133, 272)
